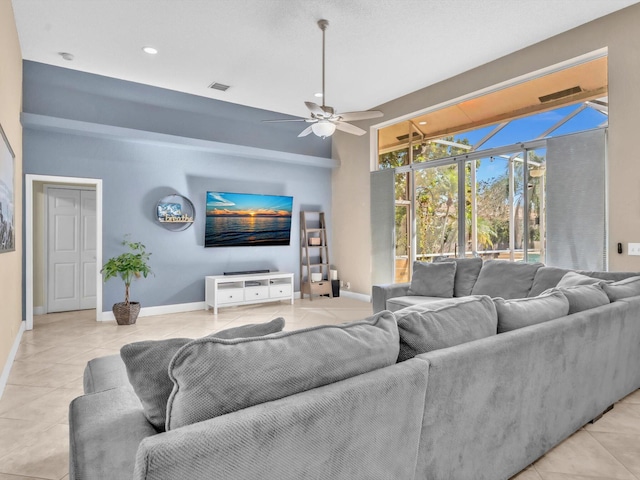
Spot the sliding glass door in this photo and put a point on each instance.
(436, 212)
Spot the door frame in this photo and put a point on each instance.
(47, 187)
(62, 181)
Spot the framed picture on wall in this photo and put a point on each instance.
(7, 195)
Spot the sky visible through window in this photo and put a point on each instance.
(529, 128)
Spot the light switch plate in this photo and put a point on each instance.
(633, 248)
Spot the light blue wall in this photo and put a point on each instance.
(136, 175)
(64, 93)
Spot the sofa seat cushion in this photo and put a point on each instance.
(467, 271)
(443, 324)
(147, 365)
(500, 278)
(105, 373)
(433, 279)
(629, 287)
(398, 303)
(523, 312)
(215, 376)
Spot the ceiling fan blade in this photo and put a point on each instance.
(355, 116)
(287, 120)
(315, 108)
(305, 132)
(348, 128)
(327, 110)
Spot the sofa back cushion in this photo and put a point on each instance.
(522, 312)
(546, 278)
(629, 287)
(467, 271)
(214, 376)
(433, 279)
(147, 365)
(500, 278)
(583, 297)
(443, 324)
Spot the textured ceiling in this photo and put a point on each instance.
(269, 51)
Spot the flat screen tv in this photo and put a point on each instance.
(244, 219)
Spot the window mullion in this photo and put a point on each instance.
(512, 216)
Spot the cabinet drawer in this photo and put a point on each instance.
(256, 293)
(230, 295)
(280, 291)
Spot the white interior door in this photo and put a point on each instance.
(71, 249)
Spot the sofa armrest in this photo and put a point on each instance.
(105, 373)
(105, 429)
(381, 293)
(360, 428)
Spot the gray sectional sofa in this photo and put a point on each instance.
(430, 391)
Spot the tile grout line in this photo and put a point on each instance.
(611, 453)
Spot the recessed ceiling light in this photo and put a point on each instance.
(66, 56)
(150, 50)
(319, 95)
(422, 123)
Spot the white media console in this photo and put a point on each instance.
(230, 290)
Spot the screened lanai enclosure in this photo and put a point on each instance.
(527, 189)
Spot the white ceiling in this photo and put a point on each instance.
(269, 51)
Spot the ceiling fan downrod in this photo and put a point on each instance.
(323, 24)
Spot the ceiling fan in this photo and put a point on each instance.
(325, 120)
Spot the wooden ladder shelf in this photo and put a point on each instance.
(314, 255)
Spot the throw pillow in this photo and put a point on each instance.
(147, 365)
(467, 271)
(212, 376)
(629, 287)
(445, 323)
(571, 279)
(433, 279)
(504, 279)
(522, 312)
(583, 297)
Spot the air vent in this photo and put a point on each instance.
(219, 86)
(404, 137)
(558, 95)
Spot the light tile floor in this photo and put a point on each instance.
(47, 375)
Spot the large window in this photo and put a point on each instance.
(481, 192)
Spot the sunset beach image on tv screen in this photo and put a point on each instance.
(242, 219)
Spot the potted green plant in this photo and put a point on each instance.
(127, 266)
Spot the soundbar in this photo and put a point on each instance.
(247, 272)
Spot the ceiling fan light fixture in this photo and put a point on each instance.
(323, 128)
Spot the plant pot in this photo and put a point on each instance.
(126, 314)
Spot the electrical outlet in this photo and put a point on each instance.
(633, 248)
(349, 283)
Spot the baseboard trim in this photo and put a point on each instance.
(39, 310)
(358, 296)
(159, 310)
(190, 307)
(10, 359)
